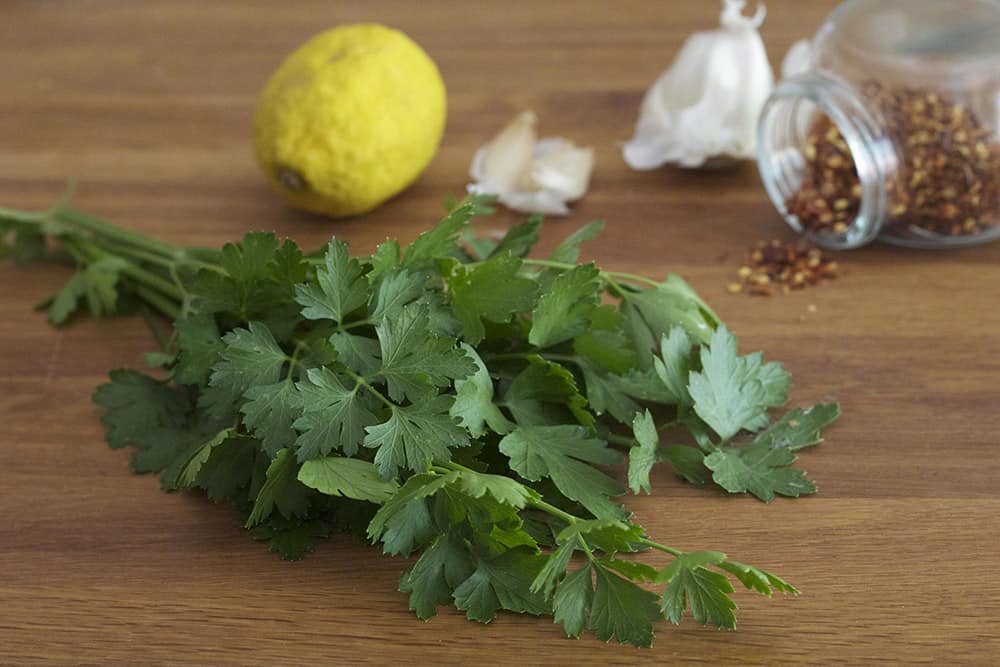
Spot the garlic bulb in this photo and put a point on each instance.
(531, 175)
(706, 104)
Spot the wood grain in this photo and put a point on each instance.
(150, 105)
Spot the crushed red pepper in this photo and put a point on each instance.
(947, 183)
(775, 266)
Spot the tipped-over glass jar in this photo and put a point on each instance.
(893, 131)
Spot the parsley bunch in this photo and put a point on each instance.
(453, 399)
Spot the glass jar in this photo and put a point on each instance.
(893, 130)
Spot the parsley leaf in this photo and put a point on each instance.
(199, 346)
(761, 581)
(251, 357)
(359, 353)
(564, 311)
(291, 539)
(334, 415)
(437, 573)
(621, 609)
(414, 359)
(669, 304)
(396, 290)
(340, 287)
(573, 599)
(491, 290)
(799, 428)
(282, 489)
(674, 364)
(759, 469)
(354, 478)
(270, 411)
(414, 436)
(564, 454)
(729, 392)
(502, 582)
(136, 405)
(473, 406)
(441, 240)
(543, 392)
(706, 591)
(642, 457)
(568, 250)
(521, 238)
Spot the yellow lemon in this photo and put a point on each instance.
(349, 119)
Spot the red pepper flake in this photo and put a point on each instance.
(948, 181)
(774, 266)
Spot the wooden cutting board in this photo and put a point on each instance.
(150, 105)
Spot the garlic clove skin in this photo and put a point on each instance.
(531, 175)
(501, 164)
(706, 104)
(562, 167)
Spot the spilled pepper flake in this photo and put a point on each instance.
(775, 266)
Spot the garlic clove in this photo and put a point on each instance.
(705, 105)
(499, 166)
(530, 175)
(560, 166)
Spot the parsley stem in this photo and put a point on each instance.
(158, 301)
(554, 511)
(608, 276)
(24, 217)
(107, 230)
(162, 340)
(362, 382)
(136, 272)
(616, 439)
(677, 553)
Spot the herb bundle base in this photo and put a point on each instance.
(453, 399)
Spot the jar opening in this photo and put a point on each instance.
(823, 162)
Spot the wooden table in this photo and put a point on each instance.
(150, 105)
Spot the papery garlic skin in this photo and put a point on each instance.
(706, 104)
(531, 175)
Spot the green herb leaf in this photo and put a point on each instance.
(434, 577)
(354, 478)
(758, 469)
(573, 600)
(564, 454)
(542, 386)
(414, 359)
(340, 287)
(706, 592)
(282, 489)
(502, 582)
(335, 414)
(728, 392)
(520, 239)
(564, 311)
(799, 428)
(642, 458)
(414, 436)
(491, 290)
(474, 407)
(199, 346)
(622, 610)
(270, 411)
(569, 250)
(761, 581)
(251, 357)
